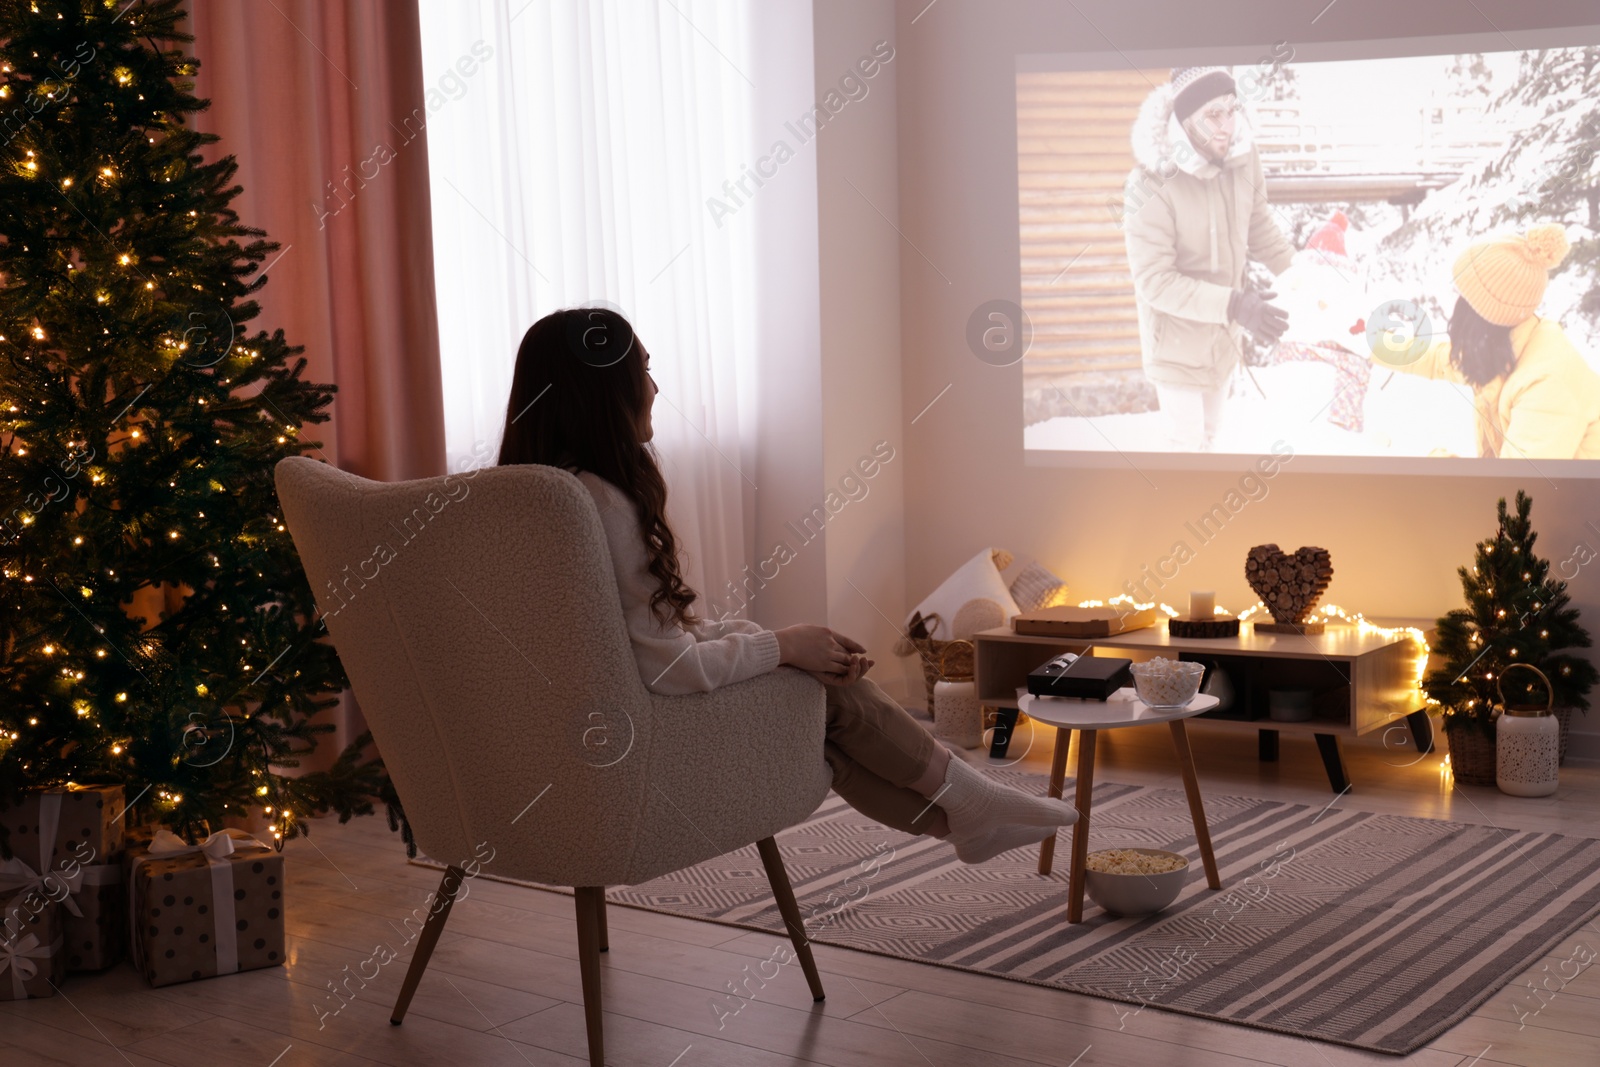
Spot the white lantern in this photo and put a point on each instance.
(957, 715)
(1527, 760)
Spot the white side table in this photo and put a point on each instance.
(1089, 717)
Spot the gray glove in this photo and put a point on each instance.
(1253, 311)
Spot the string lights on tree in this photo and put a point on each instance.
(156, 626)
(1515, 613)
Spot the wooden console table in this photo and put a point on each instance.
(1363, 682)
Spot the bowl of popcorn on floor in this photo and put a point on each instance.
(1131, 882)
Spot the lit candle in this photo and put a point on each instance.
(1202, 604)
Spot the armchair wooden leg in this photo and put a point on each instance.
(600, 916)
(589, 899)
(772, 860)
(449, 886)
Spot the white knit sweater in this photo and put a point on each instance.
(673, 660)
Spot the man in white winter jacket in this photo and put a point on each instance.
(1195, 211)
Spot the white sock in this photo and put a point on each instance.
(975, 804)
(977, 848)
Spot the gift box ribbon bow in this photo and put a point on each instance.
(218, 850)
(17, 958)
(16, 874)
(219, 846)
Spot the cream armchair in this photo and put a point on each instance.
(478, 619)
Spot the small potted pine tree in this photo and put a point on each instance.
(1515, 613)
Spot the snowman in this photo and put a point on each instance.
(1322, 292)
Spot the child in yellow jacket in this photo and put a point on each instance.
(1536, 397)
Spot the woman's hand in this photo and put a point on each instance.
(815, 648)
(859, 666)
(849, 645)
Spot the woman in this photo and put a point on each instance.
(596, 422)
(1536, 397)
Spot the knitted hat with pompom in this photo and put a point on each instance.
(1503, 278)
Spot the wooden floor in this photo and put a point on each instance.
(503, 987)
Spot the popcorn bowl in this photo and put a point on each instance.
(1134, 894)
(1167, 683)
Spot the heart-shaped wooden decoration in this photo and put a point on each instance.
(1289, 585)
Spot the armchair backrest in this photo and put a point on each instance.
(478, 619)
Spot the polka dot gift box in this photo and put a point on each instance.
(31, 960)
(203, 910)
(66, 847)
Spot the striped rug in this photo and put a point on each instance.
(1374, 931)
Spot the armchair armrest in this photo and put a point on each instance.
(730, 767)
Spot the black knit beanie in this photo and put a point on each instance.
(1193, 87)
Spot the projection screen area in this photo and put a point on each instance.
(1392, 261)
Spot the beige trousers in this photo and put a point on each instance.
(876, 750)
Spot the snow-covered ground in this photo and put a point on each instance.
(1405, 416)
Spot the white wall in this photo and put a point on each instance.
(1395, 540)
(827, 381)
(858, 203)
(785, 456)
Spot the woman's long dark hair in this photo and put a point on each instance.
(1479, 349)
(577, 398)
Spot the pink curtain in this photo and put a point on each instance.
(308, 95)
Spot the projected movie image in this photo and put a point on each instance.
(1388, 257)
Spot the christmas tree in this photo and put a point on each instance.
(1515, 614)
(156, 627)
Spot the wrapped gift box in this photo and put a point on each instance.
(203, 910)
(67, 846)
(32, 963)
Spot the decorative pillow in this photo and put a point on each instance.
(978, 614)
(1036, 588)
(978, 578)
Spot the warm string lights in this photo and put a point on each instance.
(1171, 612)
(182, 434)
(1363, 627)
(1121, 598)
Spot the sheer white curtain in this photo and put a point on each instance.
(572, 149)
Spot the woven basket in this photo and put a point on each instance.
(1471, 754)
(957, 660)
(1477, 753)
